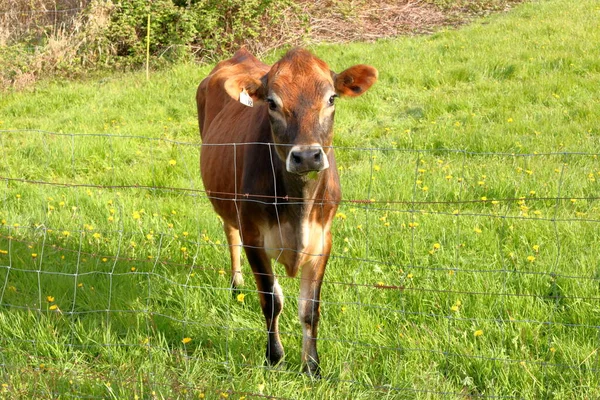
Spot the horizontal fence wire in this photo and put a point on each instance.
(443, 241)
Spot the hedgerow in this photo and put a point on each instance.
(72, 38)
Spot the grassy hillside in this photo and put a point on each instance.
(465, 257)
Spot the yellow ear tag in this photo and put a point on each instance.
(245, 98)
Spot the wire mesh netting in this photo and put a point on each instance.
(451, 272)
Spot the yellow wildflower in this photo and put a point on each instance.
(186, 340)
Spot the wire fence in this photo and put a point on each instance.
(484, 264)
(30, 20)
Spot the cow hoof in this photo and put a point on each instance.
(278, 366)
(236, 285)
(313, 370)
(275, 356)
(237, 281)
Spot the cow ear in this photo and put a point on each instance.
(254, 87)
(355, 80)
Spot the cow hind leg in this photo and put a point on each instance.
(235, 251)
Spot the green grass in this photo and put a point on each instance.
(506, 108)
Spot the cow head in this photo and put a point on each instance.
(299, 93)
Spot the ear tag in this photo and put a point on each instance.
(245, 98)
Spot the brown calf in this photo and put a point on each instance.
(270, 173)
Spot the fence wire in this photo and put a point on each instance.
(466, 259)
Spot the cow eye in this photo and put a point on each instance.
(331, 100)
(272, 104)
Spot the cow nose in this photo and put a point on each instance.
(306, 158)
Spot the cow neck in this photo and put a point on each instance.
(303, 192)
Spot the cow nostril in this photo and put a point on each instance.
(296, 158)
(318, 156)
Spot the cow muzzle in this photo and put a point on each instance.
(304, 159)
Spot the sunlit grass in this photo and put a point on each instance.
(465, 251)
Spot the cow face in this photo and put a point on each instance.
(299, 93)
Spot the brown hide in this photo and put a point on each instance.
(270, 173)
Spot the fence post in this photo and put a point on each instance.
(148, 49)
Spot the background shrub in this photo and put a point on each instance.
(74, 37)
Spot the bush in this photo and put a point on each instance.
(37, 37)
(179, 28)
(109, 34)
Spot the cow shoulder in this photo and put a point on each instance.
(224, 83)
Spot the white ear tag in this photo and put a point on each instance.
(245, 98)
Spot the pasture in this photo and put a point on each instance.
(465, 260)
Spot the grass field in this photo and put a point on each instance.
(465, 259)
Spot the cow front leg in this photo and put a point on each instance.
(271, 300)
(235, 251)
(309, 312)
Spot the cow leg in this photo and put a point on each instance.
(309, 312)
(235, 251)
(271, 300)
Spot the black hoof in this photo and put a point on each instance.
(313, 370)
(275, 356)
